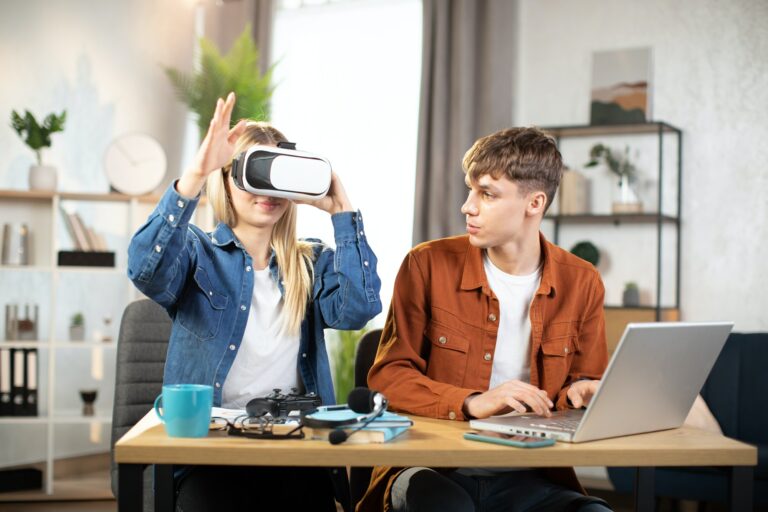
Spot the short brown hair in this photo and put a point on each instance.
(527, 156)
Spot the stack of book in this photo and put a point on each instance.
(91, 247)
(382, 429)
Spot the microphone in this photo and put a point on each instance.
(362, 400)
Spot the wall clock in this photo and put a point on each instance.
(135, 164)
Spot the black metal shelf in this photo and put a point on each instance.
(590, 130)
(615, 218)
(654, 128)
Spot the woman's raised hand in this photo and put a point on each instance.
(216, 149)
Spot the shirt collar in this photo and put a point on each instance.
(474, 277)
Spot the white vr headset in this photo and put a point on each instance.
(282, 171)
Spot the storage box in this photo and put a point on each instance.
(86, 259)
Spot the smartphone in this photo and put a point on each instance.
(517, 440)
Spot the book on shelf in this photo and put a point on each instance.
(381, 430)
(5, 382)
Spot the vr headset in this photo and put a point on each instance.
(282, 171)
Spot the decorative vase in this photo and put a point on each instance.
(42, 177)
(626, 198)
(76, 332)
(89, 397)
(631, 297)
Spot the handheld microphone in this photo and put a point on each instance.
(362, 400)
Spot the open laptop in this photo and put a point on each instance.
(650, 384)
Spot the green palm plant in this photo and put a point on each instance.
(343, 356)
(219, 74)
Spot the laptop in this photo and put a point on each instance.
(650, 384)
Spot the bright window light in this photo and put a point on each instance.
(347, 87)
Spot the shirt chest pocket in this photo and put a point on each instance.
(201, 308)
(560, 340)
(447, 360)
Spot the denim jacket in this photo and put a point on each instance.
(205, 282)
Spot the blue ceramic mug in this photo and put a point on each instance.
(185, 409)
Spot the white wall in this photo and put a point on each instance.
(711, 80)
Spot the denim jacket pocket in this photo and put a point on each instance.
(202, 307)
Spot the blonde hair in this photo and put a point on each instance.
(294, 257)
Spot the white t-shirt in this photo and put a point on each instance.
(266, 358)
(512, 357)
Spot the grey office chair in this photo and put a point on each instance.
(359, 477)
(141, 349)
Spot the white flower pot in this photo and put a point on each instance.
(42, 177)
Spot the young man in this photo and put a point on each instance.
(492, 321)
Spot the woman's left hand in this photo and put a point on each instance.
(335, 200)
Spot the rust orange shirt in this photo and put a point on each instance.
(439, 338)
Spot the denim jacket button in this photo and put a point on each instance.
(180, 204)
(171, 218)
(248, 268)
(242, 308)
(158, 248)
(232, 347)
(365, 263)
(218, 385)
(304, 354)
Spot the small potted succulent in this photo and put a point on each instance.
(631, 296)
(38, 136)
(77, 327)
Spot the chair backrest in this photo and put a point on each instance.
(365, 354)
(141, 349)
(359, 477)
(735, 388)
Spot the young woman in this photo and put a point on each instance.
(249, 302)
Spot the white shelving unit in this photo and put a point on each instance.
(61, 291)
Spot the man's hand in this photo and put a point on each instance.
(581, 392)
(512, 395)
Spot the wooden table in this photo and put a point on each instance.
(432, 443)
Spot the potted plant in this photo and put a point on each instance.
(587, 251)
(77, 327)
(343, 356)
(631, 296)
(38, 136)
(627, 200)
(219, 74)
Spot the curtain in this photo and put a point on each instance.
(466, 92)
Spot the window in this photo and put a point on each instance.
(347, 76)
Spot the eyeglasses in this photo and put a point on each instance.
(259, 427)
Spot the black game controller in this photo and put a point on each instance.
(280, 405)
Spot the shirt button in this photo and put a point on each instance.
(180, 204)
(210, 293)
(565, 350)
(365, 263)
(171, 218)
(304, 354)
(492, 317)
(361, 233)
(232, 347)
(248, 268)
(218, 385)
(487, 356)
(451, 415)
(242, 308)
(158, 248)
(442, 340)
